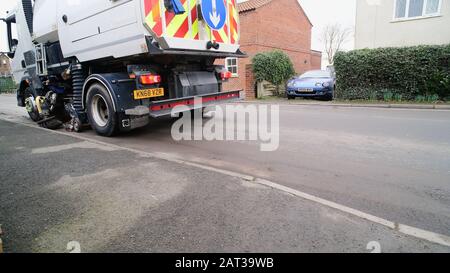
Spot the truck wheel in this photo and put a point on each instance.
(100, 111)
(30, 105)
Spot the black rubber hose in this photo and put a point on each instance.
(28, 10)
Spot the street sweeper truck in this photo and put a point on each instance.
(114, 64)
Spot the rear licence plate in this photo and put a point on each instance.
(306, 90)
(148, 93)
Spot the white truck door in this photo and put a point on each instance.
(25, 44)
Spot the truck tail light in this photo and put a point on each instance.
(150, 79)
(225, 75)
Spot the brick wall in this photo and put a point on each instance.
(316, 59)
(281, 24)
(250, 88)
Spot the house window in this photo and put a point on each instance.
(433, 7)
(400, 9)
(231, 64)
(405, 9)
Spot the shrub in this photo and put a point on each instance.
(420, 98)
(7, 85)
(388, 96)
(274, 67)
(406, 72)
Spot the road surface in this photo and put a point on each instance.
(393, 164)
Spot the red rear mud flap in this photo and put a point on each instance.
(165, 107)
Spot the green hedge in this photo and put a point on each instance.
(419, 73)
(7, 85)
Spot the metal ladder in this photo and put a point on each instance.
(41, 60)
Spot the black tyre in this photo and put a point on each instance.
(51, 123)
(100, 111)
(30, 104)
(291, 97)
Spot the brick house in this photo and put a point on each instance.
(5, 65)
(267, 25)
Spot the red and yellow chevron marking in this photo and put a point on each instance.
(153, 18)
(234, 21)
(178, 25)
(194, 18)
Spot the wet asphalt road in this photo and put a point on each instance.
(390, 163)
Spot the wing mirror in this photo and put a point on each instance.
(14, 43)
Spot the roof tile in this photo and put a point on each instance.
(252, 5)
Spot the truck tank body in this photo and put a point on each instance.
(45, 21)
(96, 29)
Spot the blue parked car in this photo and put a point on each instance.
(312, 84)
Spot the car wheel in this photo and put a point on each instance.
(100, 111)
(329, 97)
(291, 97)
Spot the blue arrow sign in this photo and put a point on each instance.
(214, 13)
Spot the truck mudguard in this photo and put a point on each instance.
(119, 86)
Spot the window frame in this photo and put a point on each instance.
(227, 67)
(424, 15)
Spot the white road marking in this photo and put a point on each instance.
(79, 145)
(424, 234)
(327, 203)
(404, 229)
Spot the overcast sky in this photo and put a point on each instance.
(5, 5)
(323, 12)
(320, 12)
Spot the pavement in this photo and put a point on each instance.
(144, 192)
(308, 102)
